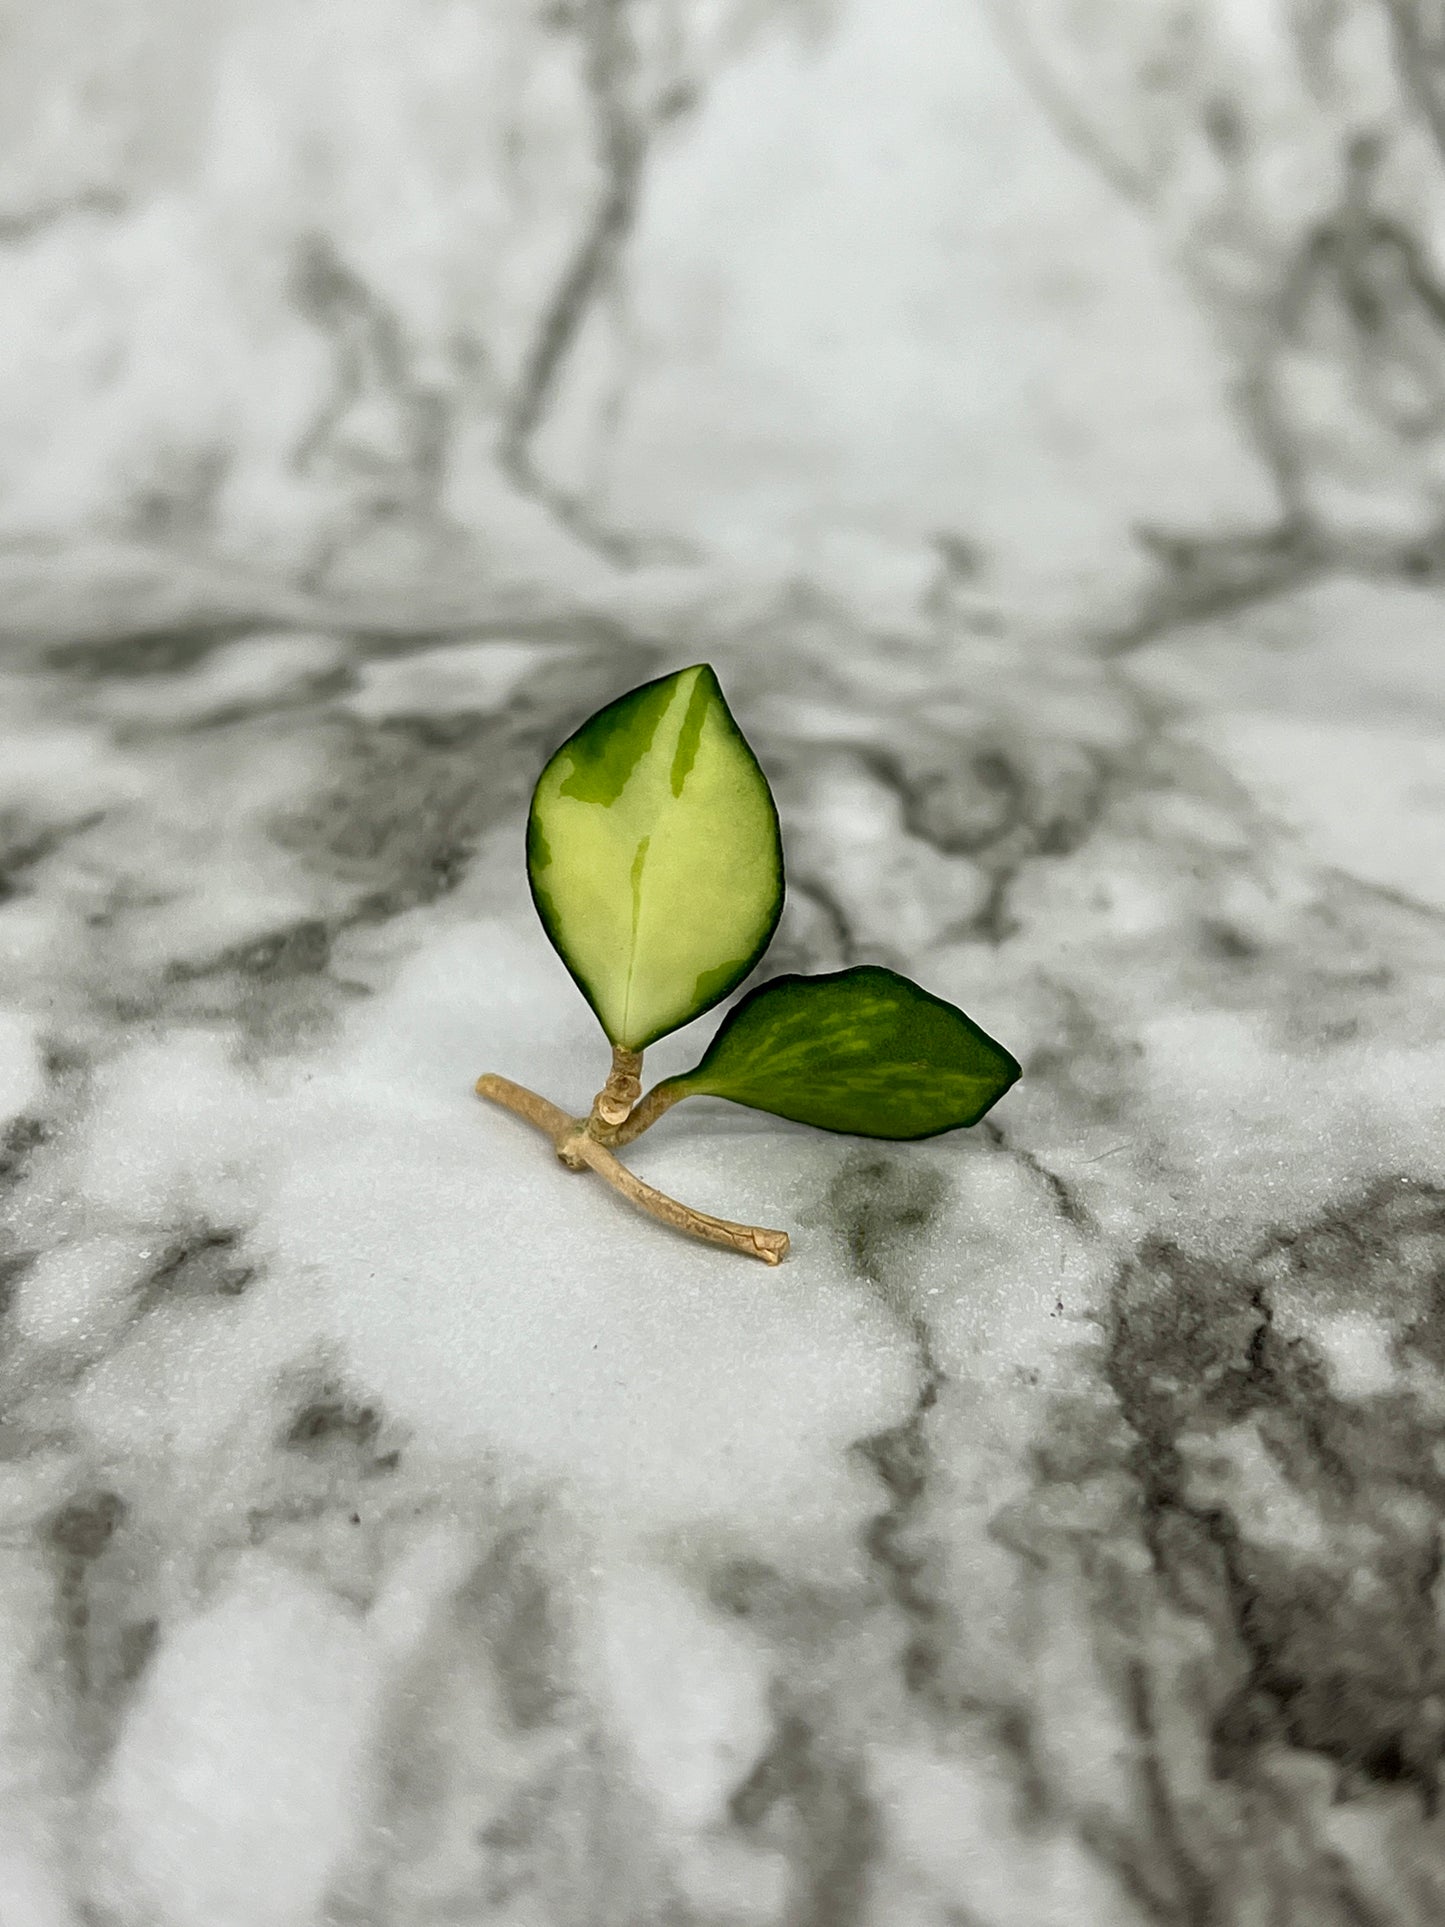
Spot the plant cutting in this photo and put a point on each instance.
(655, 861)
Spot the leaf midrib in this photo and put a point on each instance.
(637, 866)
(678, 772)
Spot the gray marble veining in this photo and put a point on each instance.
(396, 1531)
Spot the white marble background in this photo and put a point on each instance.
(1035, 410)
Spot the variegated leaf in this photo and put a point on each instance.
(654, 856)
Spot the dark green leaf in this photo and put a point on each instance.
(860, 1050)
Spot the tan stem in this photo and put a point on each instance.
(659, 1099)
(549, 1118)
(770, 1246)
(576, 1148)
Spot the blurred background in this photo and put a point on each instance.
(409, 303)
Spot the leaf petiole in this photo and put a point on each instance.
(614, 1103)
(645, 1114)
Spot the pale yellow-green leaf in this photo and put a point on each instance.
(654, 856)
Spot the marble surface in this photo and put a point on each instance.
(1034, 416)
